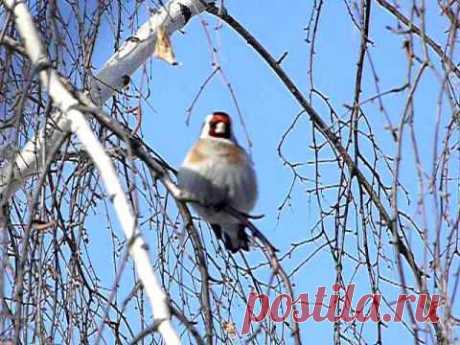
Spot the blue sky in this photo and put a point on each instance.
(268, 110)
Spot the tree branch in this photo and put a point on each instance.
(77, 123)
(436, 47)
(331, 137)
(112, 77)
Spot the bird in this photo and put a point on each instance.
(218, 173)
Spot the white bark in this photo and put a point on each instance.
(124, 62)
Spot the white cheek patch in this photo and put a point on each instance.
(220, 128)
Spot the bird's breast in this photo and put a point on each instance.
(220, 169)
(205, 150)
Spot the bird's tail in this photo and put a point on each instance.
(233, 236)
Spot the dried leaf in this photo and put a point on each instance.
(230, 328)
(163, 47)
(137, 112)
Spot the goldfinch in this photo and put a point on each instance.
(217, 172)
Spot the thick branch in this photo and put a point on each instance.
(67, 104)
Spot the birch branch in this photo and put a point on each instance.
(111, 78)
(71, 119)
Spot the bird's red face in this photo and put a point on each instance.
(220, 125)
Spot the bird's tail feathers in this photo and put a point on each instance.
(233, 236)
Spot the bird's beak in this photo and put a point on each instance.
(220, 128)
